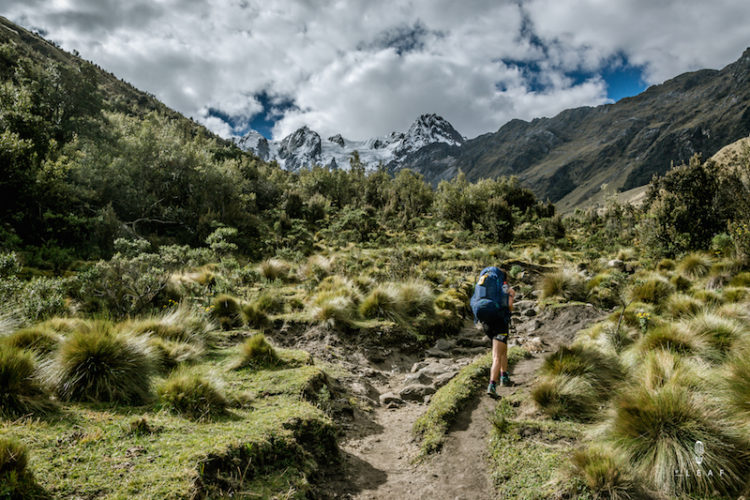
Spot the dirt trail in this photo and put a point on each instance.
(379, 449)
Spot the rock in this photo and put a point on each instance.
(443, 379)
(536, 293)
(418, 366)
(390, 398)
(444, 345)
(418, 378)
(523, 305)
(416, 392)
(534, 344)
(436, 369)
(473, 341)
(437, 353)
(530, 313)
(616, 264)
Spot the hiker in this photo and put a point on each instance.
(492, 304)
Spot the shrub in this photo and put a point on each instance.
(40, 340)
(102, 365)
(694, 265)
(20, 393)
(564, 283)
(256, 352)
(273, 269)
(226, 310)
(657, 431)
(15, 479)
(193, 396)
(42, 297)
(269, 302)
(652, 290)
(605, 474)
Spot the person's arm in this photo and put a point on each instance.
(511, 296)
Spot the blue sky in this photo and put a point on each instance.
(364, 69)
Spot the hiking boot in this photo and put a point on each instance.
(505, 380)
(492, 389)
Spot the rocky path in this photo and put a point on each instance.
(379, 450)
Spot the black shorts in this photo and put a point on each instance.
(495, 324)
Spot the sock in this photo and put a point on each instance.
(492, 382)
(502, 374)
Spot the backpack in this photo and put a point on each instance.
(491, 285)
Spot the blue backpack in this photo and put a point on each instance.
(490, 287)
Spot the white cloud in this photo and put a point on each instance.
(332, 59)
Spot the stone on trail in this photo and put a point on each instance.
(443, 379)
(418, 366)
(418, 378)
(390, 398)
(416, 392)
(437, 353)
(444, 345)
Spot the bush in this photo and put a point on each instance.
(102, 365)
(652, 290)
(15, 479)
(20, 393)
(256, 353)
(694, 265)
(657, 430)
(564, 283)
(38, 339)
(193, 396)
(226, 310)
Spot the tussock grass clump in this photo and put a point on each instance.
(178, 325)
(317, 267)
(269, 302)
(741, 279)
(604, 288)
(563, 396)
(627, 253)
(382, 302)
(41, 341)
(605, 474)
(694, 265)
(192, 396)
(226, 310)
(738, 384)
(670, 337)
(681, 283)
(602, 370)
(334, 310)
(717, 331)
(67, 325)
(15, 479)
(665, 265)
(661, 367)
(735, 294)
(652, 290)
(417, 298)
(681, 304)
(607, 337)
(273, 269)
(709, 297)
(564, 283)
(256, 352)
(254, 316)
(169, 353)
(739, 311)
(103, 365)
(20, 393)
(657, 431)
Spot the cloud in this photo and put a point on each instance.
(365, 68)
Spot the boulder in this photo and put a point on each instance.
(444, 345)
(616, 264)
(418, 378)
(437, 353)
(390, 398)
(416, 392)
(443, 379)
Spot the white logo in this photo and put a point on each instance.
(699, 451)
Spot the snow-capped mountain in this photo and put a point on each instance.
(305, 148)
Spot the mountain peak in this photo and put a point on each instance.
(428, 129)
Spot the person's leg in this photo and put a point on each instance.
(499, 352)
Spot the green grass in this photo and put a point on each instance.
(192, 396)
(605, 474)
(256, 352)
(270, 439)
(16, 481)
(20, 390)
(447, 402)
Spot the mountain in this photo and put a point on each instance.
(570, 157)
(305, 148)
